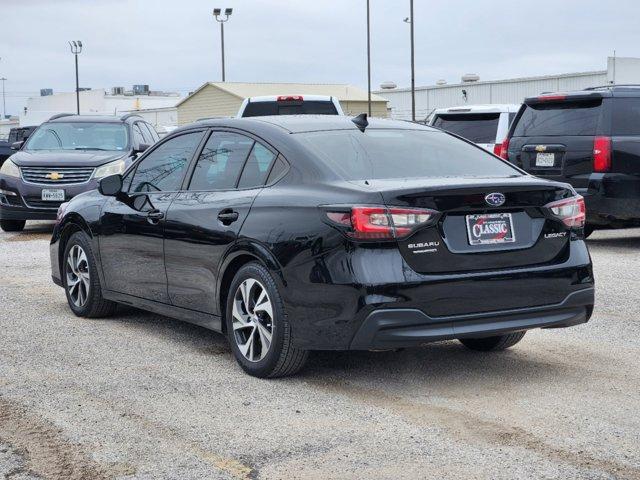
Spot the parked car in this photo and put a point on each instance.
(289, 105)
(485, 125)
(590, 139)
(63, 157)
(17, 134)
(293, 233)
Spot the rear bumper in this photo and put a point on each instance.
(612, 197)
(396, 328)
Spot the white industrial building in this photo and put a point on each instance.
(473, 91)
(95, 102)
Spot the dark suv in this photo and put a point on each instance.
(63, 157)
(590, 139)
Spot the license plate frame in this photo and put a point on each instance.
(53, 195)
(546, 160)
(495, 234)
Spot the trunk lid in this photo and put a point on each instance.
(471, 234)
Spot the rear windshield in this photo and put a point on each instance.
(259, 109)
(477, 127)
(377, 154)
(559, 119)
(79, 136)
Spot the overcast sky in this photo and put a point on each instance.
(175, 45)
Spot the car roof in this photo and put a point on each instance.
(306, 123)
(63, 118)
(489, 108)
(274, 98)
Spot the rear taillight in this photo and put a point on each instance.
(503, 151)
(571, 211)
(373, 222)
(497, 148)
(602, 154)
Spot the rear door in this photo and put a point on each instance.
(206, 218)
(554, 138)
(479, 128)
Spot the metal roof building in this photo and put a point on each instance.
(428, 98)
(223, 99)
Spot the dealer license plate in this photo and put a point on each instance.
(52, 195)
(490, 228)
(545, 160)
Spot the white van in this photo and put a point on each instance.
(485, 125)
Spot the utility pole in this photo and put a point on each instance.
(76, 49)
(217, 13)
(368, 59)
(413, 69)
(4, 105)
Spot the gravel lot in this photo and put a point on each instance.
(142, 396)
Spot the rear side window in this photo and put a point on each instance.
(626, 116)
(220, 162)
(559, 119)
(257, 109)
(476, 127)
(257, 167)
(377, 154)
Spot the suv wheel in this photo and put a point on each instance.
(80, 279)
(257, 325)
(12, 225)
(489, 344)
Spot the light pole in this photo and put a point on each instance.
(409, 20)
(368, 60)
(217, 13)
(4, 105)
(76, 49)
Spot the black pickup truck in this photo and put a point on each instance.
(17, 134)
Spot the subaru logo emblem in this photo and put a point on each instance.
(495, 199)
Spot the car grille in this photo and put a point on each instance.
(56, 175)
(34, 202)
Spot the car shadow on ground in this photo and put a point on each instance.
(615, 242)
(439, 363)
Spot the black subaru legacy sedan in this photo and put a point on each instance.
(65, 156)
(297, 233)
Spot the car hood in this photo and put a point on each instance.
(64, 158)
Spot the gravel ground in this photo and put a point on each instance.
(146, 397)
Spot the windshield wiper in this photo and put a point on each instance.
(90, 148)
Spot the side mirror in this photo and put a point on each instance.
(110, 186)
(141, 148)
(17, 145)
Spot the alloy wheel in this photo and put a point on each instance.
(78, 279)
(252, 320)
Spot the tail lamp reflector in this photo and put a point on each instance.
(379, 222)
(571, 211)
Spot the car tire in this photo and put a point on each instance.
(492, 344)
(588, 230)
(81, 281)
(257, 325)
(12, 225)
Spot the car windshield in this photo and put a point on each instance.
(79, 136)
(377, 154)
(477, 127)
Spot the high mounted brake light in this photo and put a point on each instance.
(290, 98)
(552, 98)
(374, 222)
(571, 211)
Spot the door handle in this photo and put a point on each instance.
(227, 217)
(154, 216)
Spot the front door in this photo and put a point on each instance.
(204, 221)
(132, 230)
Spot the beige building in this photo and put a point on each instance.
(224, 99)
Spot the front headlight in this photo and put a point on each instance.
(10, 169)
(112, 168)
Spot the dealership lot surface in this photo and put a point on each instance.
(141, 396)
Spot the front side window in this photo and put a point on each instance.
(79, 136)
(163, 169)
(221, 161)
(390, 153)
